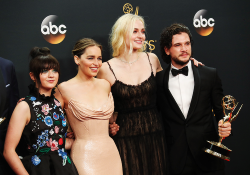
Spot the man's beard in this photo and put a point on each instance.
(180, 62)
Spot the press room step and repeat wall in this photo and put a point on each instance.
(220, 30)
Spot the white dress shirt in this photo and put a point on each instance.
(181, 88)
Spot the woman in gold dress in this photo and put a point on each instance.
(89, 105)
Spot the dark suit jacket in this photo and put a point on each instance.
(11, 96)
(191, 133)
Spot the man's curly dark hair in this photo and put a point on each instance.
(167, 36)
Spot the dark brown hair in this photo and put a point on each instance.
(82, 44)
(167, 36)
(41, 60)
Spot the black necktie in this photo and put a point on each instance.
(183, 71)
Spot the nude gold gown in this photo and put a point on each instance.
(93, 151)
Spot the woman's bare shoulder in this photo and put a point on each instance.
(104, 66)
(66, 84)
(21, 109)
(153, 57)
(23, 105)
(105, 70)
(155, 62)
(112, 60)
(104, 84)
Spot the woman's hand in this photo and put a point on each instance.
(70, 135)
(113, 129)
(196, 63)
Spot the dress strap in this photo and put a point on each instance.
(149, 62)
(111, 70)
(59, 90)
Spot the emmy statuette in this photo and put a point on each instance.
(217, 149)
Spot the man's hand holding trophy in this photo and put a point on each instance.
(217, 149)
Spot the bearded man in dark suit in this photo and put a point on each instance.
(9, 96)
(186, 96)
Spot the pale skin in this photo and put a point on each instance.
(132, 74)
(84, 88)
(21, 117)
(136, 73)
(180, 51)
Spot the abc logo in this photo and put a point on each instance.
(53, 30)
(203, 25)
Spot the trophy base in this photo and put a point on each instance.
(218, 150)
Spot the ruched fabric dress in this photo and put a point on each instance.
(94, 151)
(140, 139)
(45, 137)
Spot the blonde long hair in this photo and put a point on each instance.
(123, 26)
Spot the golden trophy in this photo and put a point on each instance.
(217, 149)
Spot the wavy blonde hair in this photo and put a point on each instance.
(123, 26)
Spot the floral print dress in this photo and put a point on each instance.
(45, 136)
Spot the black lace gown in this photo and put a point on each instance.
(140, 139)
(45, 137)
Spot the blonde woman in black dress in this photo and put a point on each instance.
(131, 73)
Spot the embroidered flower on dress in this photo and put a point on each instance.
(38, 142)
(36, 103)
(63, 154)
(64, 122)
(35, 160)
(56, 129)
(62, 116)
(48, 121)
(41, 137)
(60, 141)
(57, 102)
(52, 144)
(32, 98)
(55, 116)
(34, 146)
(46, 132)
(51, 131)
(42, 143)
(61, 110)
(46, 109)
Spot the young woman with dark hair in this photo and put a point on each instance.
(40, 119)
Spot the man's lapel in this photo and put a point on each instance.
(169, 96)
(196, 91)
